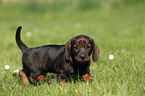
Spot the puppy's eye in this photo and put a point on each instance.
(88, 46)
(75, 47)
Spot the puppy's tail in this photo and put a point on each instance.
(19, 42)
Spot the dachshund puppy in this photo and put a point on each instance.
(69, 60)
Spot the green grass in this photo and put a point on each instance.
(118, 31)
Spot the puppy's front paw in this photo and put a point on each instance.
(86, 77)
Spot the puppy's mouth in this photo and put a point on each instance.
(86, 60)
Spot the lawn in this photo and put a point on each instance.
(118, 31)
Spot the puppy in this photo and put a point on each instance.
(69, 60)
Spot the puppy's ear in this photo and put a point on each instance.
(67, 50)
(95, 52)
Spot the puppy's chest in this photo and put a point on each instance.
(79, 70)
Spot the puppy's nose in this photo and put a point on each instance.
(82, 56)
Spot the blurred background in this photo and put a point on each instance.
(115, 25)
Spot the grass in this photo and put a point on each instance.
(118, 31)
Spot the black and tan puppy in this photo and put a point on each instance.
(69, 60)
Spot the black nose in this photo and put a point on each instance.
(82, 56)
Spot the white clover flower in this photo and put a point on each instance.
(76, 90)
(77, 25)
(7, 67)
(111, 57)
(28, 34)
(65, 90)
(87, 82)
(16, 71)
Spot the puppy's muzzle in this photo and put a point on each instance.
(83, 56)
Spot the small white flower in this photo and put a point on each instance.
(111, 57)
(28, 34)
(7, 67)
(87, 82)
(77, 25)
(16, 71)
(65, 90)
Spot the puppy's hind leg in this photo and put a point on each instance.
(24, 78)
(36, 78)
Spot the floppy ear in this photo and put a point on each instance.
(95, 52)
(67, 50)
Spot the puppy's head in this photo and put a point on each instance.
(80, 48)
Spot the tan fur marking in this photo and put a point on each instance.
(86, 77)
(24, 78)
